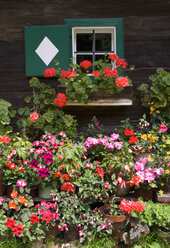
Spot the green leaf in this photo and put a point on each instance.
(27, 99)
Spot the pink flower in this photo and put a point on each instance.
(1, 201)
(104, 226)
(79, 225)
(114, 136)
(21, 183)
(118, 145)
(106, 185)
(163, 128)
(81, 233)
(139, 166)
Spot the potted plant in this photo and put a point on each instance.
(81, 82)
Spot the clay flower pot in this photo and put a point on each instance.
(116, 220)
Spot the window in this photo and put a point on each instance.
(82, 39)
(92, 43)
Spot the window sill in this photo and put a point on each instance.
(102, 102)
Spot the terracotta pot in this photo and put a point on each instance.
(146, 194)
(53, 230)
(71, 234)
(122, 191)
(1, 186)
(116, 220)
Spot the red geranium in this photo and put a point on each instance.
(85, 64)
(129, 132)
(61, 100)
(100, 172)
(113, 56)
(34, 116)
(50, 72)
(34, 219)
(122, 82)
(129, 206)
(135, 181)
(110, 73)
(67, 187)
(96, 73)
(133, 139)
(17, 230)
(121, 62)
(5, 139)
(47, 218)
(68, 74)
(10, 223)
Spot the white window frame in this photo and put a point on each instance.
(102, 29)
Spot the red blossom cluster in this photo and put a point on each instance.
(129, 206)
(47, 218)
(34, 116)
(132, 139)
(67, 187)
(96, 73)
(121, 62)
(85, 64)
(68, 74)
(65, 176)
(113, 56)
(110, 73)
(5, 139)
(129, 132)
(135, 181)
(122, 82)
(61, 100)
(100, 172)
(50, 72)
(16, 229)
(34, 219)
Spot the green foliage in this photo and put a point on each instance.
(5, 115)
(51, 119)
(158, 94)
(14, 243)
(97, 242)
(156, 216)
(152, 240)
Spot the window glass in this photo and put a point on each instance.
(84, 42)
(103, 42)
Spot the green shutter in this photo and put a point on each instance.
(92, 22)
(43, 45)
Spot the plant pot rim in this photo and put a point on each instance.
(118, 219)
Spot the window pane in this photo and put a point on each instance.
(84, 42)
(103, 42)
(97, 57)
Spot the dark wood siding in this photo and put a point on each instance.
(147, 44)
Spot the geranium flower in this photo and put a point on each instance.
(113, 56)
(61, 100)
(14, 194)
(129, 132)
(50, 72)
(133, 139)
(34, 219)
(47, 218)
(12, 205)
(5, 139)
(96, 73)
(17, 230)
(122, 82)
(85, 64)
(22, 200)
(110, 73)
(121, 62)
(10, 223)
(100, 172)
(21, 183)
(67, 186)
(34, 116)
(1, 200)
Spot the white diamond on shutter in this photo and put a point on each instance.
(46, 50)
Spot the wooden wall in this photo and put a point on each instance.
(147, 44)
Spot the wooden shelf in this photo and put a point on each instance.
(102, 102)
